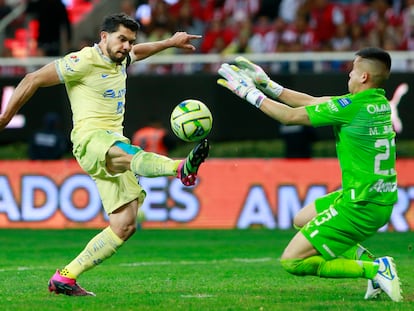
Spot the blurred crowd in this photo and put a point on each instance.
(267, 26)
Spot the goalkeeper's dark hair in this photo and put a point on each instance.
(381, 60)
(111, 23)
(377, 54)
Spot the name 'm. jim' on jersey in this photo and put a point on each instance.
(365, 144)
(96, 92)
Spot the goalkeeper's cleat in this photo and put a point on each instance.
(373, 290)
(63, 285)
(187, 169)
(387, 278)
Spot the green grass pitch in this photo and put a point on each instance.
(187, 270)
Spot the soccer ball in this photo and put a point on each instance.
(191, 120)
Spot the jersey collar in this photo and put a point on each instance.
(104, 57)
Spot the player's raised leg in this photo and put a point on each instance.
(150, 164)
(187, 169)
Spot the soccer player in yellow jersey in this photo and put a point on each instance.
(95, 80)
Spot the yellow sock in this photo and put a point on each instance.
(101, 247)
(149, 164)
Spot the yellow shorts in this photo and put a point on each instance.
(115, 190)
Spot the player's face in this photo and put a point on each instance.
(118, 44)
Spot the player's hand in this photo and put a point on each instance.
(254, 71)
(240, 84)
(182, 40)
(234, 80)
(259, 76)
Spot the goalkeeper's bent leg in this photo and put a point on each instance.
(358, 252)
(335, 268)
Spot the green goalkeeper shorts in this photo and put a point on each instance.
(339, 225)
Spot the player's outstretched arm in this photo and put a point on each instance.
(180, 39)
(237, 81)
(274, 89)
(43, 77)
(259, 77)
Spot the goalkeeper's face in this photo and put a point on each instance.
(357, 76)
(117, 45)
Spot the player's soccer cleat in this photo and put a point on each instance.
(63, 285)
(387, 278)
(187, 169)
(373, 290)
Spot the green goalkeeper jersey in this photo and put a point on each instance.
(365, 144)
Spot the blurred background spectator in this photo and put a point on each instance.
(154, 137)
(5, 9)
(49, 142)
(55, 31)
(298, 140)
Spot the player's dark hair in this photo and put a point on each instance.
(111, 22)
(374, 53)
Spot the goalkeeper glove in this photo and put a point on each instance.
(260, 78)
(240, 84)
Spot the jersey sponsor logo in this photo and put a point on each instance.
(380, 186)
(374, 109)
(74, 58)
(344, 102)
(120, 107)
(111, 93)
(104, 75)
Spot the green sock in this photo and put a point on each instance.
(358, 252)
(149, 164)
(335, 268)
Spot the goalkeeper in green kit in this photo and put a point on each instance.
(331, 228)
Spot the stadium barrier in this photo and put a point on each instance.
(231, 193)
(150, 96)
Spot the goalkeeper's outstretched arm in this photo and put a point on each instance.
(285, 114)
(299, 99)
(237, 81)
(274, 89)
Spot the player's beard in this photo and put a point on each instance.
(113, 56)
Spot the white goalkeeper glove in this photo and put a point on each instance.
(240, 84)
(260, 78)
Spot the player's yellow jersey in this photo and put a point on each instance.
(96, 87)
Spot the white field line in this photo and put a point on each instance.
(157, 263)
(196, 262)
